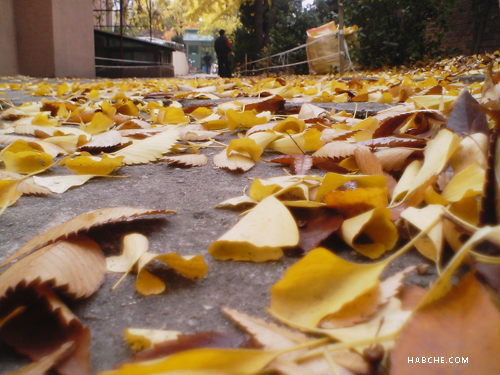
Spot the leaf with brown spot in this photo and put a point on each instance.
(76, 266)
(464, 323)
(83, 223)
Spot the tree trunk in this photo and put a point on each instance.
(261, 6)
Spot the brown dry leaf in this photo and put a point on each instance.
(460, 327)
(466, 117)
(44, 364)
(76, 266)
(193, 160)
(390, 125)
(272, 104)
(82, 223)
(103, 141)
(338, 150)
(364, 306)
(43, 327)
(272, 337)
(233, 162)
(316, 225)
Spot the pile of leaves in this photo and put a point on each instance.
(420, 175)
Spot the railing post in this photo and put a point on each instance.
(246, 61)
(341, 39)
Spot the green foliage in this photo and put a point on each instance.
(284, 26)
(393, 32)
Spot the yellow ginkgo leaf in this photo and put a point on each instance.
(332, 181)
(263, 139)
(318, 285)
(201, 113)
(216, 124)
(171, 116)
(354, 202)
(260, 235)
(472, 149)
(26, 162)
(134, 246)
(129, 109)
(290, 145)
(205, 361)
(93, 94)
(107, 108)
(88, 164)
(437, 154)
(439, 102)
(193, 267)
(245, 146)
(140, 339)
(290, 125)
(466, 183)
(8, 192)
(43, 120)
(245, 119)
(406, 180)
(371, 233)
(100, 123)
(431, 244)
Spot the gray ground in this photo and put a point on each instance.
(186, 305)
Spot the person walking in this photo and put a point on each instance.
(208, 61)
(222, 49)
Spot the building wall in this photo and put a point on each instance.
(47, 38)
(8, 46)
(463, 36)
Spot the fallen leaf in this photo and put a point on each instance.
(60, 184)
(260, 235)
(82, 223)
(453, 335)
(316, 225)
(134, 246)
(140, 339)
(76, 265)
(193, 160)
(371, 233)
(466, 117)
(150, 149)
(43, 327)
(204, 361)
(192, 267)
(233, 162)
(245, 146)
(86, 164)
(318, 285)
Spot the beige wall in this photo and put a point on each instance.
(8, 47)
(53, 38)
(73, 26)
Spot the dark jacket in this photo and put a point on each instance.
(222, 46)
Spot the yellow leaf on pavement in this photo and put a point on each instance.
(371, 233)
(206, 361)
(193, 267)
(140, 339)
(245, 146)
(134, 246)
(244, 120)
(318, 285)
(260, 235)
(100, 123)
(233, 162)
(87, 164)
